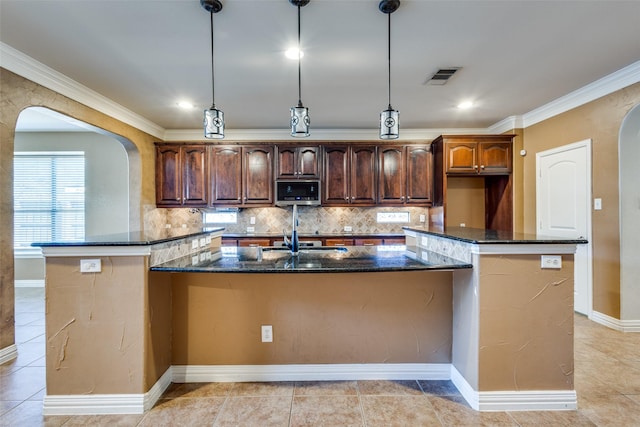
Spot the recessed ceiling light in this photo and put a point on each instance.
(293, 53)
(185, 105)
(465, 105)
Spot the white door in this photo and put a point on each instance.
(563, 207)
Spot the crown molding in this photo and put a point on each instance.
(613, 82)
(27, 67)
(316, 135)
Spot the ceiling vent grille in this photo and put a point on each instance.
(441, 76)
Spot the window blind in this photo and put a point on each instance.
(48, 194)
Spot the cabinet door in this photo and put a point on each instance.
(258, 175)
(308, 162)
(253, 242)
(287, 163)
(335, 187)
(194, 175)
(495, 157)
(168, 176)
(363, 182)
(368, 242)
(419, 175)
(391, 183)
(461, 157)
(338, 242)
(226, 175)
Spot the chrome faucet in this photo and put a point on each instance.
(294, 243)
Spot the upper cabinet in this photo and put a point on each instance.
(181, 175)
(295, 162)
(241, 175)
(349, 175)
(472, 181)
(473, 156)
(404, 175)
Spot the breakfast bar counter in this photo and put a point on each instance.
(467, 305)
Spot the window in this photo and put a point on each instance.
(48, 196)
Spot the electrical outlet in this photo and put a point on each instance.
(597, 204)
(252, 220)
(251, 229)
(194, 244)
(203, 242)
(90, 266)
(348, 228)
(267, 333)
(551, 261)
(423, 218)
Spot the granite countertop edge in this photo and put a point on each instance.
(487, 237)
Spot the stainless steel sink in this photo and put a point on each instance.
(309, 249)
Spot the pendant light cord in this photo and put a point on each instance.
(389, 58)
(299, 72)
(213, 89)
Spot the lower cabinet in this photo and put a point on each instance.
(326, 241)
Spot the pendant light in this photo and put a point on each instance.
(300, 114)
(213, 118)
(389, 118)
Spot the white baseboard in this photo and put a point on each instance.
(315, 372)
(533, 400)
(106, 404)
(8, 353)
(613, 323)
(29, 283)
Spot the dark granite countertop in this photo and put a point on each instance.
(482, 236)
(312, 235)
(329, 260)
(136, 238)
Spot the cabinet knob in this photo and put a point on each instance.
(353, 198)
(475, 166)
(347, 198)
(482, 167)
(402, 198)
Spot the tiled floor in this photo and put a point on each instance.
(607, 379)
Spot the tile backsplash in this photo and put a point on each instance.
(276, 219)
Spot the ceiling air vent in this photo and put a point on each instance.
(441, 76)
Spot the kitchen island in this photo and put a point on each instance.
(185, 311)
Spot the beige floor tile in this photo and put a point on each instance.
(104, 421)
(29, 414)
(611, 411)
(22, 384)
(343, 411)
(265, 411)
(389, 387)
(197, 390)
(439, 388)
(398, 411)
(326, 388)
(184, 412)
(262, 389)
(454, 411)
(551, 419)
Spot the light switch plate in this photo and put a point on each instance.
(597, 204)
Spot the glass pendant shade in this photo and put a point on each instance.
(389, 124)
(300, 121)
(213, 123)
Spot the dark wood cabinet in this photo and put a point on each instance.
(349, 175)
(298, 162)
(464, 164)
(338, 242)
(226, 175)
(472, 156)
(257, 175)
(181, 175)
(405, 175)
(241, 175)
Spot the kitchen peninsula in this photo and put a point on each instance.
(467, 305)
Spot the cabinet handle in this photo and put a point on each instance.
(353, 198)
(408, 197)
(177, 199)
(402, 198)
(347, 198)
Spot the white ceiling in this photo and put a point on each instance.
(148, 54)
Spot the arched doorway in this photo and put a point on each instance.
(628, 155)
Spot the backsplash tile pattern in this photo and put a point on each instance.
(323, 220)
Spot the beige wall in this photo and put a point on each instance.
(600, 121)
(16, 94)
(387, 317)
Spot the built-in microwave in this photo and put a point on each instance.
(298, 192)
